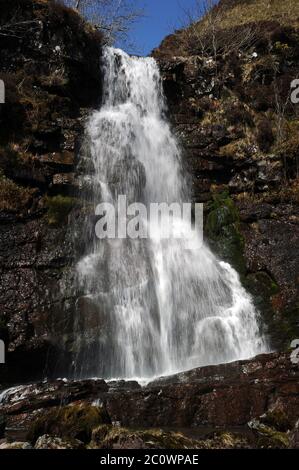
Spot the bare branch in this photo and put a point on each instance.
(114, 17)
(19, 29)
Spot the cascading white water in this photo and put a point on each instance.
(150, 307)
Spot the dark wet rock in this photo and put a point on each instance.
(268, 437)
(225, 397)
(52, 83)
(24, 398)
(115, 385)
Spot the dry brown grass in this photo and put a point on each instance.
(284, 11)
(13, 198)
(232, 26)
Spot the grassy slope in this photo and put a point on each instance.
(228, 15)
(241, 12)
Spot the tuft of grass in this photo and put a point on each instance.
(75, 421)
(13, 198)
(58, 209)
(286, 12)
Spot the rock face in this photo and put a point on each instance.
(225, 395)
(231, 110)
(50, 65)
(239, 133)
(263, 392)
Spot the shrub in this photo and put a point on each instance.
(236, 113)
(13, 198)
(58, 208)
(265, 137)
(74, 421)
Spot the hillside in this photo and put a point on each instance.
(229, 20)
(227, 79)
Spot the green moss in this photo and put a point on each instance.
(222, 228)
(287, 326)
(58, 209)
(107, 437)
(272, 439)
(262, 284)
(268, 437)
(227, 440)
(73, 421)
(282, 324)
(277, 419)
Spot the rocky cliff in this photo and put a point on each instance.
(246, 404)
(228, 81)
(230, 106)
(50, 65)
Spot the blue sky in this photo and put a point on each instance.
(162, 17)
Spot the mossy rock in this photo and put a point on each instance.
(282, 324)
(263, 284)
(109, 437)
(277, 419)
(74, 422)
(268, 437)
(226, 440)
(59, 208)
(288, 325)
(223, 230)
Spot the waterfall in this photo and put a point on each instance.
(150, 307)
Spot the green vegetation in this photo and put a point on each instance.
(58, 209)
(278, 419)
(268, 437)
(106, 437)
(223, 232)
(14, 198)
(75, 421)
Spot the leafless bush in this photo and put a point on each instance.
(203, 31)
(18, 29)
(114, 17)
